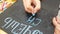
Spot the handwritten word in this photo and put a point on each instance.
(13, 25)
(32, 20)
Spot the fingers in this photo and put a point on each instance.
(31, 9)
(1, 8)
(58, 20)
(55, 21)
(37, 5)
(27, 5)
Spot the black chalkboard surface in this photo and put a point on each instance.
(15, 20)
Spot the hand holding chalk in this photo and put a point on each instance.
(32, 6)
(56, 22)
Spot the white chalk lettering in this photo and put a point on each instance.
(32, 20)
(25, 26)
(7, 21)
(22, 28)
(27, 30)
(39, 21)
(37, 32)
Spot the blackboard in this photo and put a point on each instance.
(17, 13)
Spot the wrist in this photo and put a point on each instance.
(57, 31)
(58, 28)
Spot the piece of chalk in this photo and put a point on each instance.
(4, 8)
(58, 12)
(33, 14)
(59, 6)
(0, 12)
(1, 0)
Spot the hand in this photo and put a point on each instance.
(1, 6)
(56, 22)
(32, 8)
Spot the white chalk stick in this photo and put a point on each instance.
(58, 14)
(33, 14)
